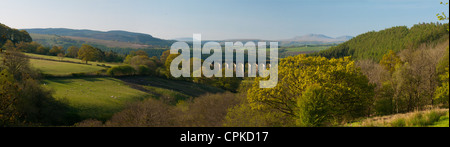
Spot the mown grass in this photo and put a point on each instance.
(430, 118)
(96, 98)
(63, 68)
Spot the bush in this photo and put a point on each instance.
(207, 111)
(143, 70)
(148, 113)
(398, 123)
(124, 70)
(312, 107)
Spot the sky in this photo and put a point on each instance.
(221, 19)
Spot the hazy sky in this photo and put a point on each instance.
(221, 19)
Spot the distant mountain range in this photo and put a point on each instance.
(314, 39)
(123, 39)
(118, 36)
(310, 39)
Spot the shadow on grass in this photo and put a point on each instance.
(188, 88)
(66, 80)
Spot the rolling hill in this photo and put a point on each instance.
(116, 36)
(373, 45)
(66, 41)
(310, 39)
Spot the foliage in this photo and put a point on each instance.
(13, 35)
(88, 53)
(390, 61)
(205, 111)
(313, 106)
(56, 50)
(348, 91)
(243, 115)
(8, 99)
(416, 80)
(72, 51)
(442, 16)
(16, 63)
(384, 100)
(373, 45)
(442, 92)
(30, 103)
(123, 70)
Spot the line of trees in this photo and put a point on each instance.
(85, 52)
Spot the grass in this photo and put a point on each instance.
(63, 68)
(100, 97)
(170, 96)
(70, 59)
(183, 87)
(442, 122)
(430, 118)
(97, 98)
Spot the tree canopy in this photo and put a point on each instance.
(331, 89)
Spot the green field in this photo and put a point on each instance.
(63, 68)
(97, 98)
(100, 98)
(69, 59)
(183, 87)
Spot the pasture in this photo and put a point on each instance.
(97, 98)
(69, 60)
(63, 68)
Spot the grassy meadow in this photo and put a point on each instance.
(63, 68)
(94, 97)
(100, 97)
(70, 60)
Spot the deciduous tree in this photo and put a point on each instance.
(349, 93)
(88, 53)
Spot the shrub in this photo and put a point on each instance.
(312, 107)
(398, 123)
(143, 70)
(207, 110)
(124, 70)
(148, 113)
